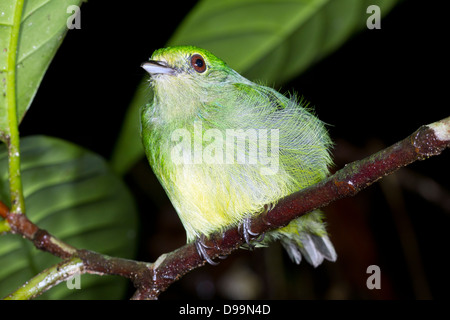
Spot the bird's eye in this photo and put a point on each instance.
(198, 63)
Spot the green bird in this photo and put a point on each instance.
(225, 148)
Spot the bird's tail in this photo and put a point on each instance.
(306, 237)
(312, 247)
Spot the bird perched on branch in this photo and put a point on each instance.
(225, 149)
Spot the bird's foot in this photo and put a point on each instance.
(248, 234)
(201, 249)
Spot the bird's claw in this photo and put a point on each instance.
(201, 249)
(249, 235)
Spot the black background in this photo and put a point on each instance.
(375, 90)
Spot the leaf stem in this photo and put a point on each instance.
(47, 279)
(15, 181)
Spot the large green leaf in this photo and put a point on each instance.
(42, 29)
(268, 40)
(73, 194)
(273, 40)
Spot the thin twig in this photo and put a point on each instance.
(47, 279)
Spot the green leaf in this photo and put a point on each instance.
(42, 28)
(276, 40)
(268, 40)
(73, 194)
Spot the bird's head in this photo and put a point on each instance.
(185, 77)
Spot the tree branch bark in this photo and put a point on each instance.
(151, 279)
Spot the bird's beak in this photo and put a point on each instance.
(157, 67)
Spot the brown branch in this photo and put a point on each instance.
(152, 279)
(138, 272)
(427, 141)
